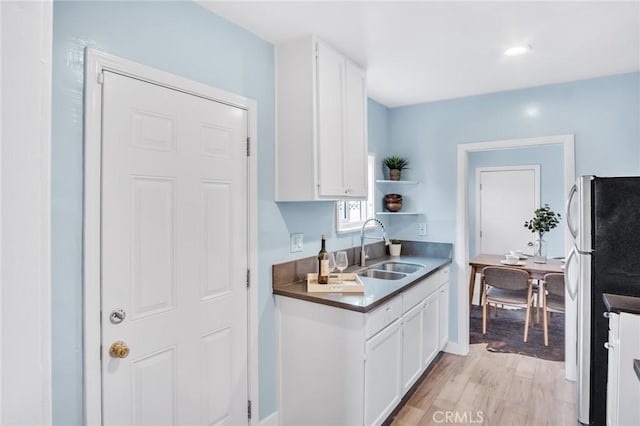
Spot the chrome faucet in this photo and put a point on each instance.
(384, 237)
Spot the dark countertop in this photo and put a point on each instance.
(617, 303)
(377, 291)
(636, 367)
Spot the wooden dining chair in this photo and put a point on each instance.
(552, 299)
(506, 286)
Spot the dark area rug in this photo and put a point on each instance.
(505, 332)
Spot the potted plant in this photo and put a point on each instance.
(544, 220)
(395, 165)
(394, 247)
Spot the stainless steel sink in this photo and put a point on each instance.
(405, 268)
(381, 275)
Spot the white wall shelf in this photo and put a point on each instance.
(401, 182)
(398, 213)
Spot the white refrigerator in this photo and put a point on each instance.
(603, 216)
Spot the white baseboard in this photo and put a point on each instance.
(456, 349)
(271, 420)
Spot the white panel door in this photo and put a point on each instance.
(174, 256)
(508, 197)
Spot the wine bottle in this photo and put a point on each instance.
(323, 264)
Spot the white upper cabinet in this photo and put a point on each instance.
(321, 147)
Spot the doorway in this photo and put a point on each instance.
(462, 233)
(170, 241)
(504, 198)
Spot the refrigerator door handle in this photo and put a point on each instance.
(572, 193)
(571, 289)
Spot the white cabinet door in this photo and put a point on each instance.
(613, 372)
(355, 137)
(331, 121)
(321, 146)
(623, 386)
(383, 357)
(629, 390)
(430, 340)
(443, 316)
(411, 347)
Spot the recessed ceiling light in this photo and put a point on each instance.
(517, 50)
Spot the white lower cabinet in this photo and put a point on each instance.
(341, 367)
(412, 361)
(383, 361)
(623, 386)
(429, 331)
(443, 315)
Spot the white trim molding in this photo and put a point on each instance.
(96, 63)
(462, 227)
(25, 212)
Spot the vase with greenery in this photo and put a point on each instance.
(395, 165)
(544, 220)
(395, 246)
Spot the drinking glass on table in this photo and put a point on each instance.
(331, 265)
(341, 262)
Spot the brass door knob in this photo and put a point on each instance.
(119, 349)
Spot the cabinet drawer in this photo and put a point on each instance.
(415, 294)
(383, 316)
(444, 275)
(420, 291)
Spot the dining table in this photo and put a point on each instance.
(536, 271)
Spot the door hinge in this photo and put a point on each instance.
(480, 187)
(100, 77)
(248, 146)
(248, 278)
(480, 234)
(249, 409)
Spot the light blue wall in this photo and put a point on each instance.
(550, 158)
(602, 113)
(316, 218)
(185, 39)
(181, 38)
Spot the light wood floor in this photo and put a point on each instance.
(491, 389)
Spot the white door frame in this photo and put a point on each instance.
(462, 231)
(25, 212)
(97, 62)
(479, 170)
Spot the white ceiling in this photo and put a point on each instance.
(423, 51)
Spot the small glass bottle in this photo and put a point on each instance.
(323, 264)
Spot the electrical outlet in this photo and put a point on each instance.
(296, 242)
(422, 229)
